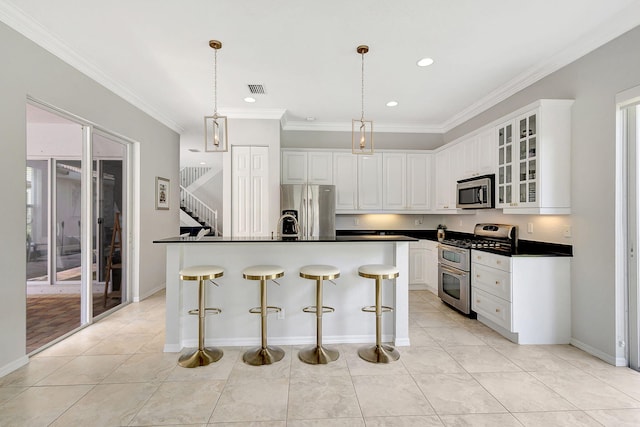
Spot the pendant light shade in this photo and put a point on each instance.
(215, 127)
(361, 129)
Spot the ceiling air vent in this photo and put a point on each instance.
(257, 89)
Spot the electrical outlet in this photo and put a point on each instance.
(566, 231)
(281, 314)
(356, 221)
(417, 222)
(530, 227)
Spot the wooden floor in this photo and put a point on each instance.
(51, 316)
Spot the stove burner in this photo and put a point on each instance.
(479, 243)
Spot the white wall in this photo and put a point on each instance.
(254, 132)
(593, 81)
(28, 69)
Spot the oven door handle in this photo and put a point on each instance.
(458, 273)
(453, 249)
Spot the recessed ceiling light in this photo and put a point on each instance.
(203, 163)
(424, 62)
(311, 119)
(392, 104)
(249, 99)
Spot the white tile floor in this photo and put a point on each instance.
(456, 373)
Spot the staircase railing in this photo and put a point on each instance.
(199, 209)
(190, 174)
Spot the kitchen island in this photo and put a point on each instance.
(235, 326)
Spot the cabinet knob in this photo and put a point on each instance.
(497, 282)
(497, 310)
(498, 262)
(478, 301)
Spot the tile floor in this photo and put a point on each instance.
(456, 373)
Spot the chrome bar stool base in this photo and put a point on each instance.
(263, 356)
(199, 357)
(318, 355)
(379, 353)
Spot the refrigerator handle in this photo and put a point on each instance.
(313, 217)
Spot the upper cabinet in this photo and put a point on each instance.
(307, 167)
(345, 178)
(394, 181)
(419, 181)
(534, 160)
(369, 182)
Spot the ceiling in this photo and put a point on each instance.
(156, 55)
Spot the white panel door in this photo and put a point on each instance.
(394, 181)
(345, 178)
(370, 182)
(249, 191)
(419, 181)
(259, 191)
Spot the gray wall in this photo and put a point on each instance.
(400, 141)
(28, 69)
(593, 81)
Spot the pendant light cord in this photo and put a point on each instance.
(362, 88)
(215, 82)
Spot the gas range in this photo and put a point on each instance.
(499, 238)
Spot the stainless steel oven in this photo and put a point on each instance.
(454, 284)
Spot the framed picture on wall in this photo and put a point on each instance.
(162, 193)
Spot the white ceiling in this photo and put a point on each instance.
(155, 54)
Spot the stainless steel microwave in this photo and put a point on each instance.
(476, 193)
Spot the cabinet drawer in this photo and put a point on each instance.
(491, 260)
(493, 308)
(494, 281)
(420, 244)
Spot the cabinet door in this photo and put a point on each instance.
(486, 152)
(445, 193)
(345, 178)
(294, 167)
(419, 181)
(369, 182)
(320, 168)
(417, 264)
(394, 180)
(505, 179)
(469, 157)
(526, 162)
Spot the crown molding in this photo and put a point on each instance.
(34, 31)
(615, 27)
(253, 113)
(346, 127)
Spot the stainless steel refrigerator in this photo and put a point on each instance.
(315, 206)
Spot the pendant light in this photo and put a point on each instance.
(361, 129)
(215, 127)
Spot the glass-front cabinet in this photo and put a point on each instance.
(534, 166)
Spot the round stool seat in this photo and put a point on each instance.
(201, 272)
(373, 271)
(324, 272)
(263, 272)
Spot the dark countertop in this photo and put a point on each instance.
(524, 247)
(340, 238)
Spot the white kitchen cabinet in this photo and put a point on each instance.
(345, 178)
(394, 181)
(250, 191)
(307, 167)
(534, 164)
(444, 181)
(526, 299)
(370, 182)
(479, 154)
(419, 181)
(423, 266)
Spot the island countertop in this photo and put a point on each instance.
(240, 239)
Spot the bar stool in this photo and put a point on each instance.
(379, 353)
(319, 355)
(263, 355)
(201, 356)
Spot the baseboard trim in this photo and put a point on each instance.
(149, 293)
(612, 360)
(12, 366)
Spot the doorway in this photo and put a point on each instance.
(71, 215)
(628, 234)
